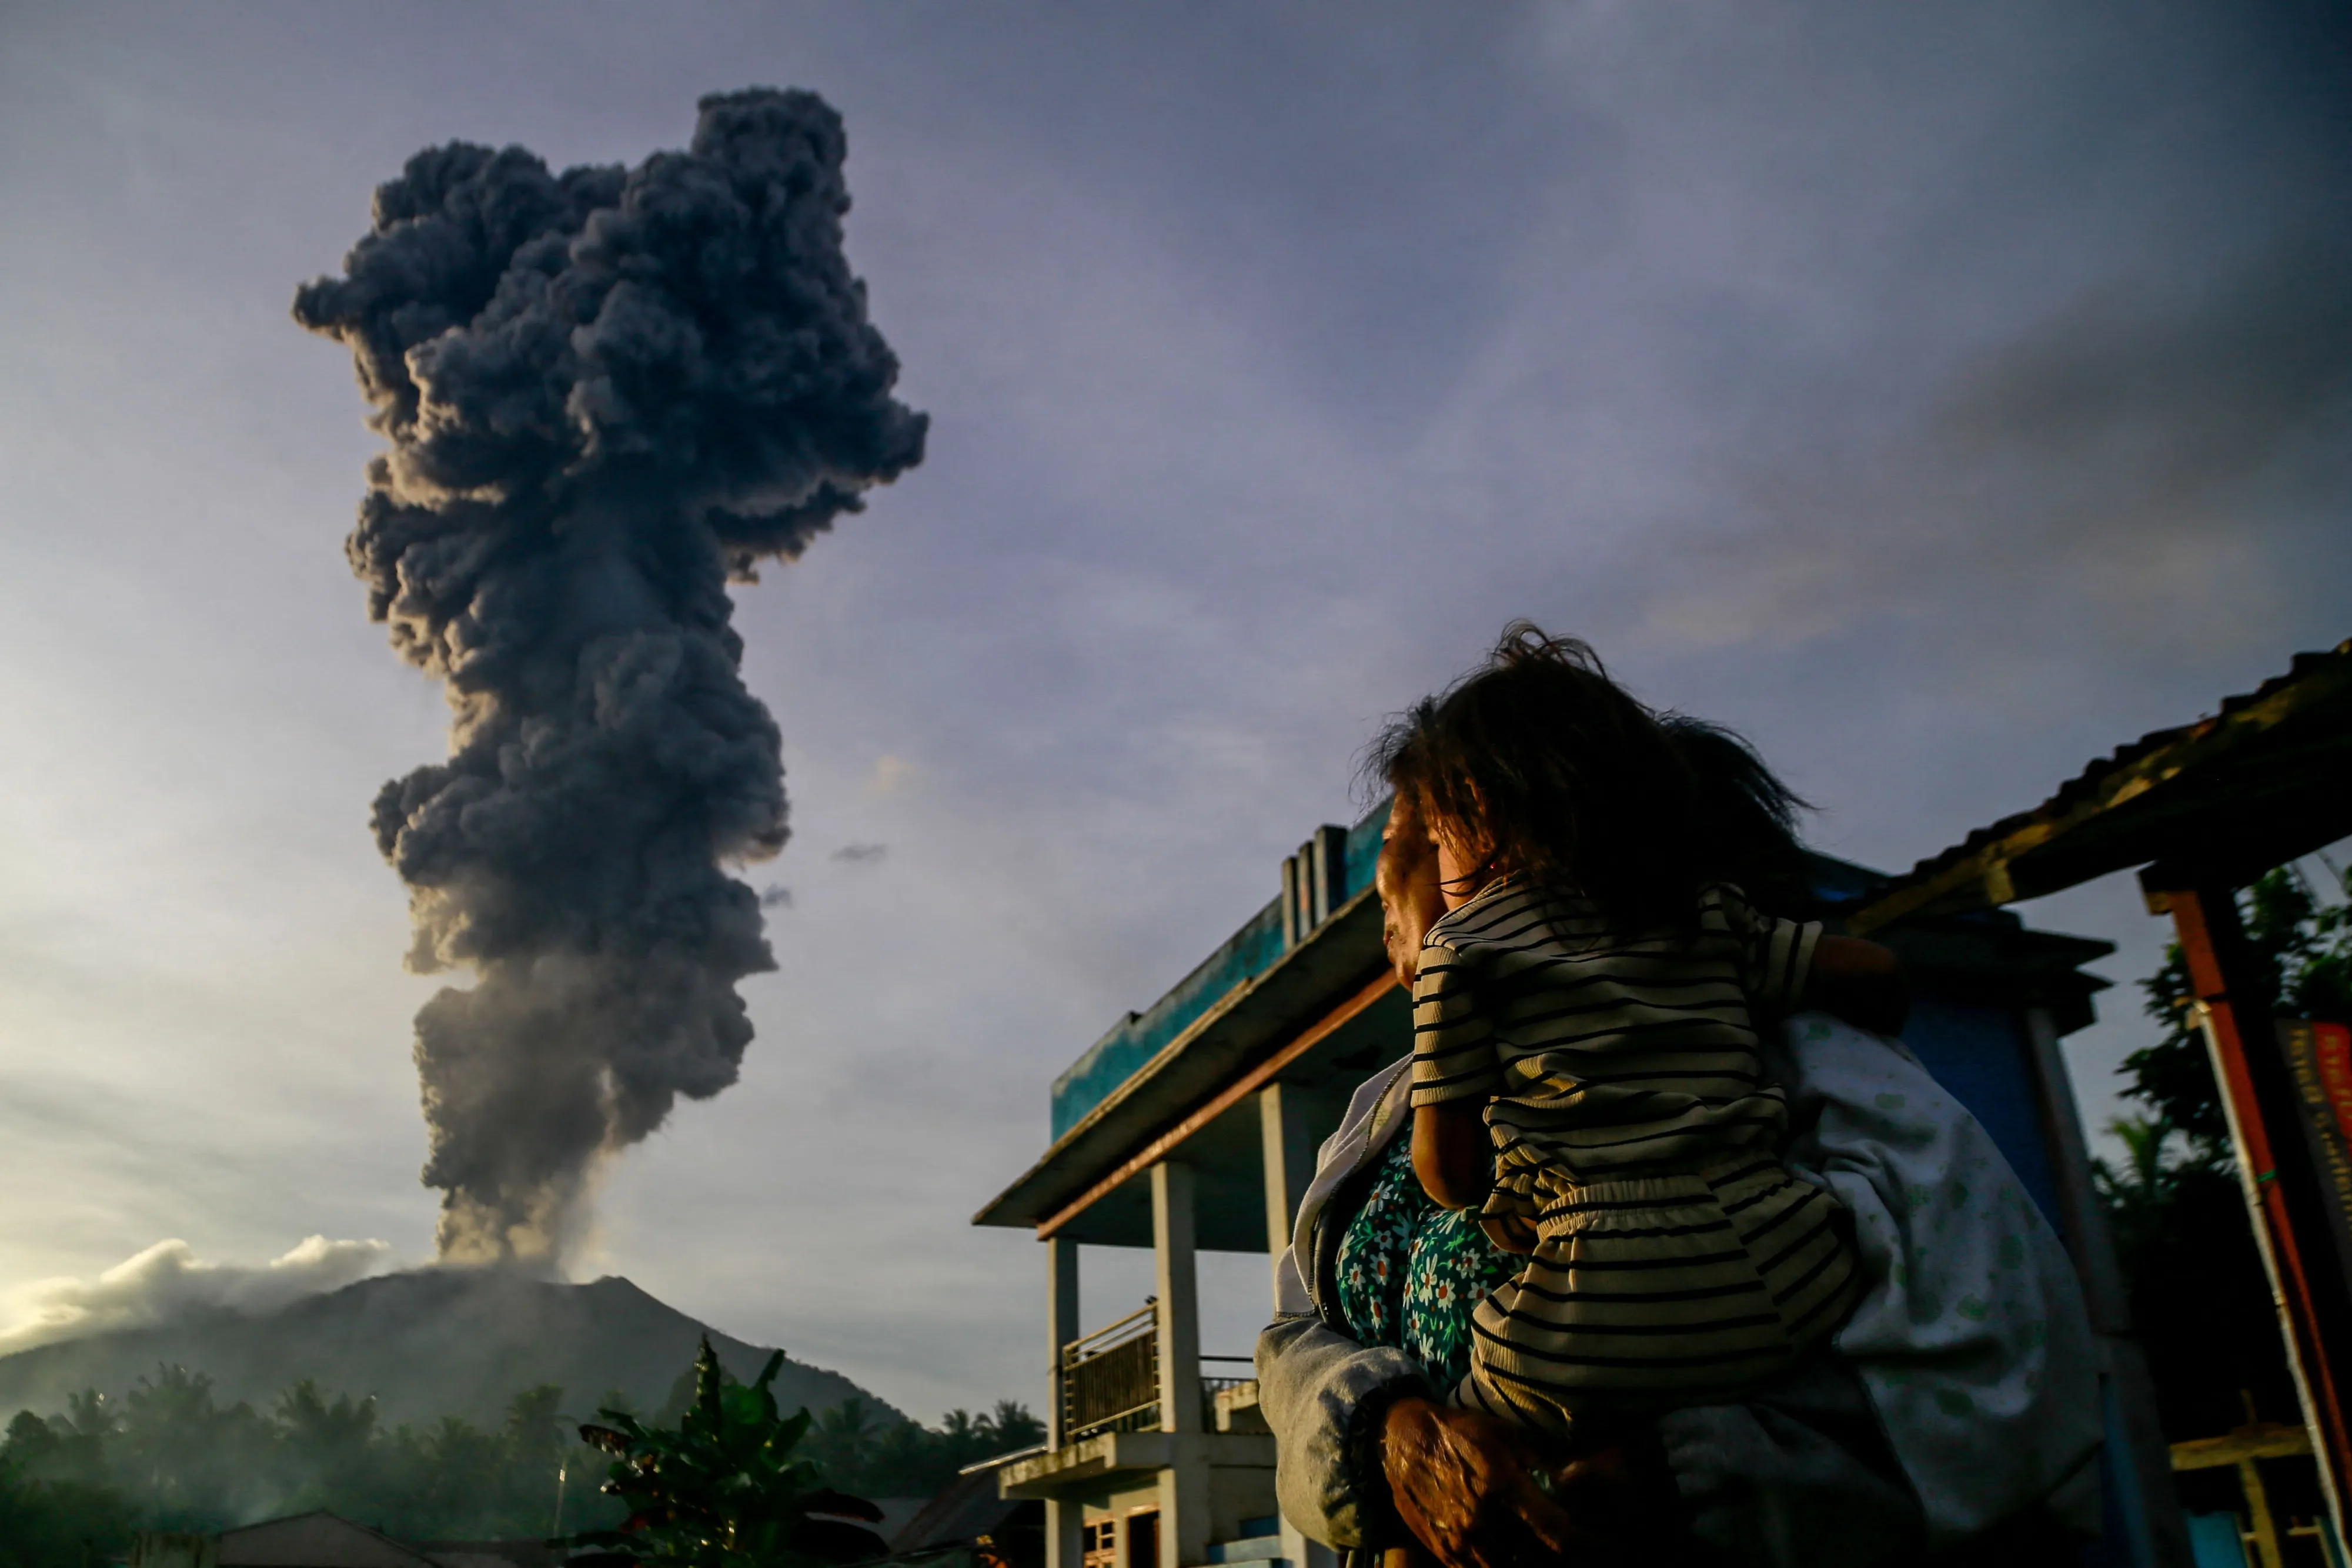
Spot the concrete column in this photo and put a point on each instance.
(1179, 1297)
(1331, 855)
(1061, 1328)
(1301, 1552)
(1184, 1484)
(1289, 1162)
(1184, 1507)
(2080, 1212)
(1294, 882)
(1065, 1518)
(2131, 1390)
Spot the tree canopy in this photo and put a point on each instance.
(169, 1454)
(2200, 1305)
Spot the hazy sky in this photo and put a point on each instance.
(1941, 394)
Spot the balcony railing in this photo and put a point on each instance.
(1213, 1383)
(1110, 1378)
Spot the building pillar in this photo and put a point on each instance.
(1066, 1546)
(1184, 1518)
(1061, 1325)
(2084, 1219)
(1184, 1507)
(2123, 1366)
(1179, 1297)
(1301, 1552)
(1064, 1517)
(1289, 1165)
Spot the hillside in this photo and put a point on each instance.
(426, 1344)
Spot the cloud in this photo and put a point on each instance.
(860, 854)
(607, 394)
(2131, 462)
(169, 1280)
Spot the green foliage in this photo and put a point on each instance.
(331, 1448)
(2140, 1195)
(169, 1454)
(722, 1488)
(2303, 949)
(2201, 1304)
(902, 1459)
(185, 1462)
(62, 1521)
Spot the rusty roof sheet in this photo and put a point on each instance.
(2268, 774)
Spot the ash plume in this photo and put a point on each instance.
(607, 394)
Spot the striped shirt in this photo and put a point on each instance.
(1605, 1054)
(1635, 1131)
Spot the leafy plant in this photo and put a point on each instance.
(2302, 947)
(2139, 1195)
(873, 1454)
(52, 1514)
(59, 1523)
(2201, 1304)
(170, 1454)
(722, 1488)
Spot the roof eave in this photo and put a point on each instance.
(1254, 1016)
(2123, 810)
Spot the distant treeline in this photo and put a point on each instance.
(169, 1456)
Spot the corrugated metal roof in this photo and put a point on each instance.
(2174, 760)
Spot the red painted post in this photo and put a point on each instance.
(2262, 1112)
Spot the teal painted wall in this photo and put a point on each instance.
(1139, 1037)
(1246, 954)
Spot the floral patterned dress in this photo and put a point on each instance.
(1409, 1273)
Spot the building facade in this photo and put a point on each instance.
(1195, 1124)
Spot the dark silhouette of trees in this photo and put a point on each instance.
(2200, 1305)
(900, 1459)
(53, 1513)
(169, 1454)
(725, 1487)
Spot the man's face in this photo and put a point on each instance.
(1406, 877)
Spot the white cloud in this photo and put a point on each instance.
(168, 1279)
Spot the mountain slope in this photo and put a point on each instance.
(426, 1344)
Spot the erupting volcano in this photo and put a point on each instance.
(608, 393)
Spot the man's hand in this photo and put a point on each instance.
(1467, 1486)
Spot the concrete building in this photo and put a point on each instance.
(1194, 1124)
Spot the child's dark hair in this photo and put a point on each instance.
(1747, 827)
(1574, 783)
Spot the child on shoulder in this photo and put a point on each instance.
(1585, 1066)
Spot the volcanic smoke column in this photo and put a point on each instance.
(608, 393)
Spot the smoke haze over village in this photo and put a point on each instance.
(1940, 395)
